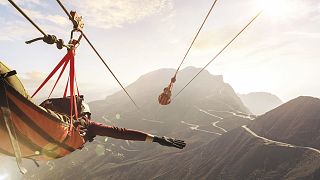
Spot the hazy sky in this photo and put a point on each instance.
(278, 53)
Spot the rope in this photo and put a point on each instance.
(47, 38)
(110, 70)
(218, 54)
(64, 9)
(102, 60)
(194, 39)
(25, 15)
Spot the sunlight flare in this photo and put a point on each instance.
(278, 8)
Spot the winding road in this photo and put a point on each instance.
(242, 115)
(221, 128)
(201, 110)
(149, 120)
(129, 150)
(282, 144)
(196, 127)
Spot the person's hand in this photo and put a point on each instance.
(171, 142)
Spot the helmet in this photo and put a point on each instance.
(85, 108)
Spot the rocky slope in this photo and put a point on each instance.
(297, 122)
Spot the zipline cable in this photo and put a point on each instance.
(94, 49)
(165, 97)
(25, 15)
(102, 60)
(194, 39)
(44, 34)
(218, 54)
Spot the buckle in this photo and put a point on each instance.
(8, 74)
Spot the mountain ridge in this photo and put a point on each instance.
(260, 102)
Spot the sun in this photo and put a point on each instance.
(277, 8)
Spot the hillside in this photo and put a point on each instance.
(297, 122)
(260, 102)
(242, 153)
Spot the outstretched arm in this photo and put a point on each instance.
(128, 134)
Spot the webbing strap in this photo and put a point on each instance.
(8, 74)
(64, 59)
(62, 70)
(73, 103)
(69, 57)
(66, 89)
(75, 79)
(4, 107)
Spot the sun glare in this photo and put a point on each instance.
(277, 8)
(4, 176)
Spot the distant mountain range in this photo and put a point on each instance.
(260, 102)
(259, 151)
(223, 141)
(244, 152)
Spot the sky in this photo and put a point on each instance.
(278, 53)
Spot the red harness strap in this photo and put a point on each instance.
(66, 89)
(62, 70)
(63, 61)
(69, 57)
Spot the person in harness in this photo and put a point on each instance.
(89, 129)
(165, 97)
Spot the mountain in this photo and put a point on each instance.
(197, 115)
(205, 92)
(223, 141)
(260, 102)
(235, 155)
(296, 122)
(281, 144)
(242, 153)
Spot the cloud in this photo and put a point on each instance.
(24, 2)
(36, 2)
(108, 14)
(56, 19)
(21, 30)
(14, 30)
(3, 2)
(214, 38)
(35, 75)
(305, 34)
(100, 13)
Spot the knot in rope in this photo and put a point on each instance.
(173, 80)
(60, 43)
(50, 39)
